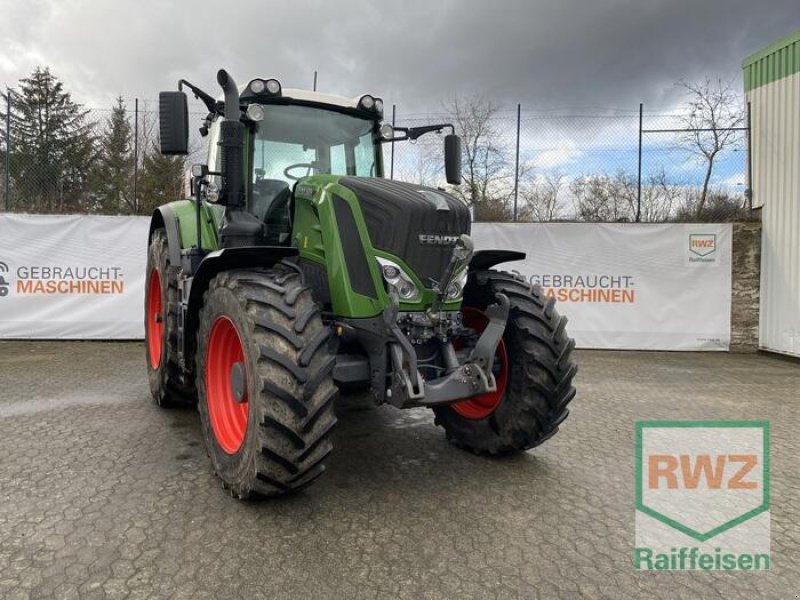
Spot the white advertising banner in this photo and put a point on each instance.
(623, 286)
(628, 286)
(72, 277)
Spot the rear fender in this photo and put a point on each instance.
(165, 218)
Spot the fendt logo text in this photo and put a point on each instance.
(435, 239)
(702, 495)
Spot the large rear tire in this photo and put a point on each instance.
(264, 381)
(161, 324)
(533, 368)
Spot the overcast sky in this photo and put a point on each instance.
(546, 55)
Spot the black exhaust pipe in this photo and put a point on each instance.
(239, 228)
(228, 86)
(231, 134)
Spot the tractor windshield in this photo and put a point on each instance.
(294, 141)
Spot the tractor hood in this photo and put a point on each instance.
(415, 223)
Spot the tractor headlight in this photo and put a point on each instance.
(456, 288)
(378, 105)
(399, 280)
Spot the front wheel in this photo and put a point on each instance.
(264, 381)
(533, 368)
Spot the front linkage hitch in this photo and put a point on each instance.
(461, 380)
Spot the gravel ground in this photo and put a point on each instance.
(102, 494)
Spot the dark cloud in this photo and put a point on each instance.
(592, 53)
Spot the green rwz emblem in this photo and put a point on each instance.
(704, 482)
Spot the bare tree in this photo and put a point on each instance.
(713, 110)
(607, 198)
(659, 198)
(604, 198)
(486, 163)
(421, 161)
(541, 195)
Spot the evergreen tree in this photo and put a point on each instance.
(161, 180)
(113, 176)
(52, 146)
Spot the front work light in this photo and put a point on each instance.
(257, 86)
(273, 87)
(264, 87)
(386, 131)
(255, 112)
(367, 102)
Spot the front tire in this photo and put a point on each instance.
(534, 371)
(264, 381)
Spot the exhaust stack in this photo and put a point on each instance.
(232, 144)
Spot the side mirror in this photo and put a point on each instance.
(452, 159)
(173, 121)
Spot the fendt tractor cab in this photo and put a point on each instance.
(297, 269)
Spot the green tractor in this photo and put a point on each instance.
(296, 269)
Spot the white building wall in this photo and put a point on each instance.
(775, 184)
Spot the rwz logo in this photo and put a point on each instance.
(702, 478)
(702, 244)
(3, 281)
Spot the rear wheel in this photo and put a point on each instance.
(264, 381)
(533, 367)
(161, 324)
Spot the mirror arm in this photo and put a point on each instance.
(205, 98)
(412, 133)
(415, 132)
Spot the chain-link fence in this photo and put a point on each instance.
(88, 161)
(609, 165)
(519, 164)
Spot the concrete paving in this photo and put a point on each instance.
(104, 495)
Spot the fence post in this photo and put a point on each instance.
(748, 192)
(135, 154)
(391, 163)
(639, 171)
(516, 164)
(8, 149)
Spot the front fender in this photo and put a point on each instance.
(217, 262)
(486, 259)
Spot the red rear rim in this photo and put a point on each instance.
(154, 319)
(228, 417)
(483, 405)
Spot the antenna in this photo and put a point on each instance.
(315, 80)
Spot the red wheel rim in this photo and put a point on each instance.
(483, 405)
(154, 319)
(228, 417)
